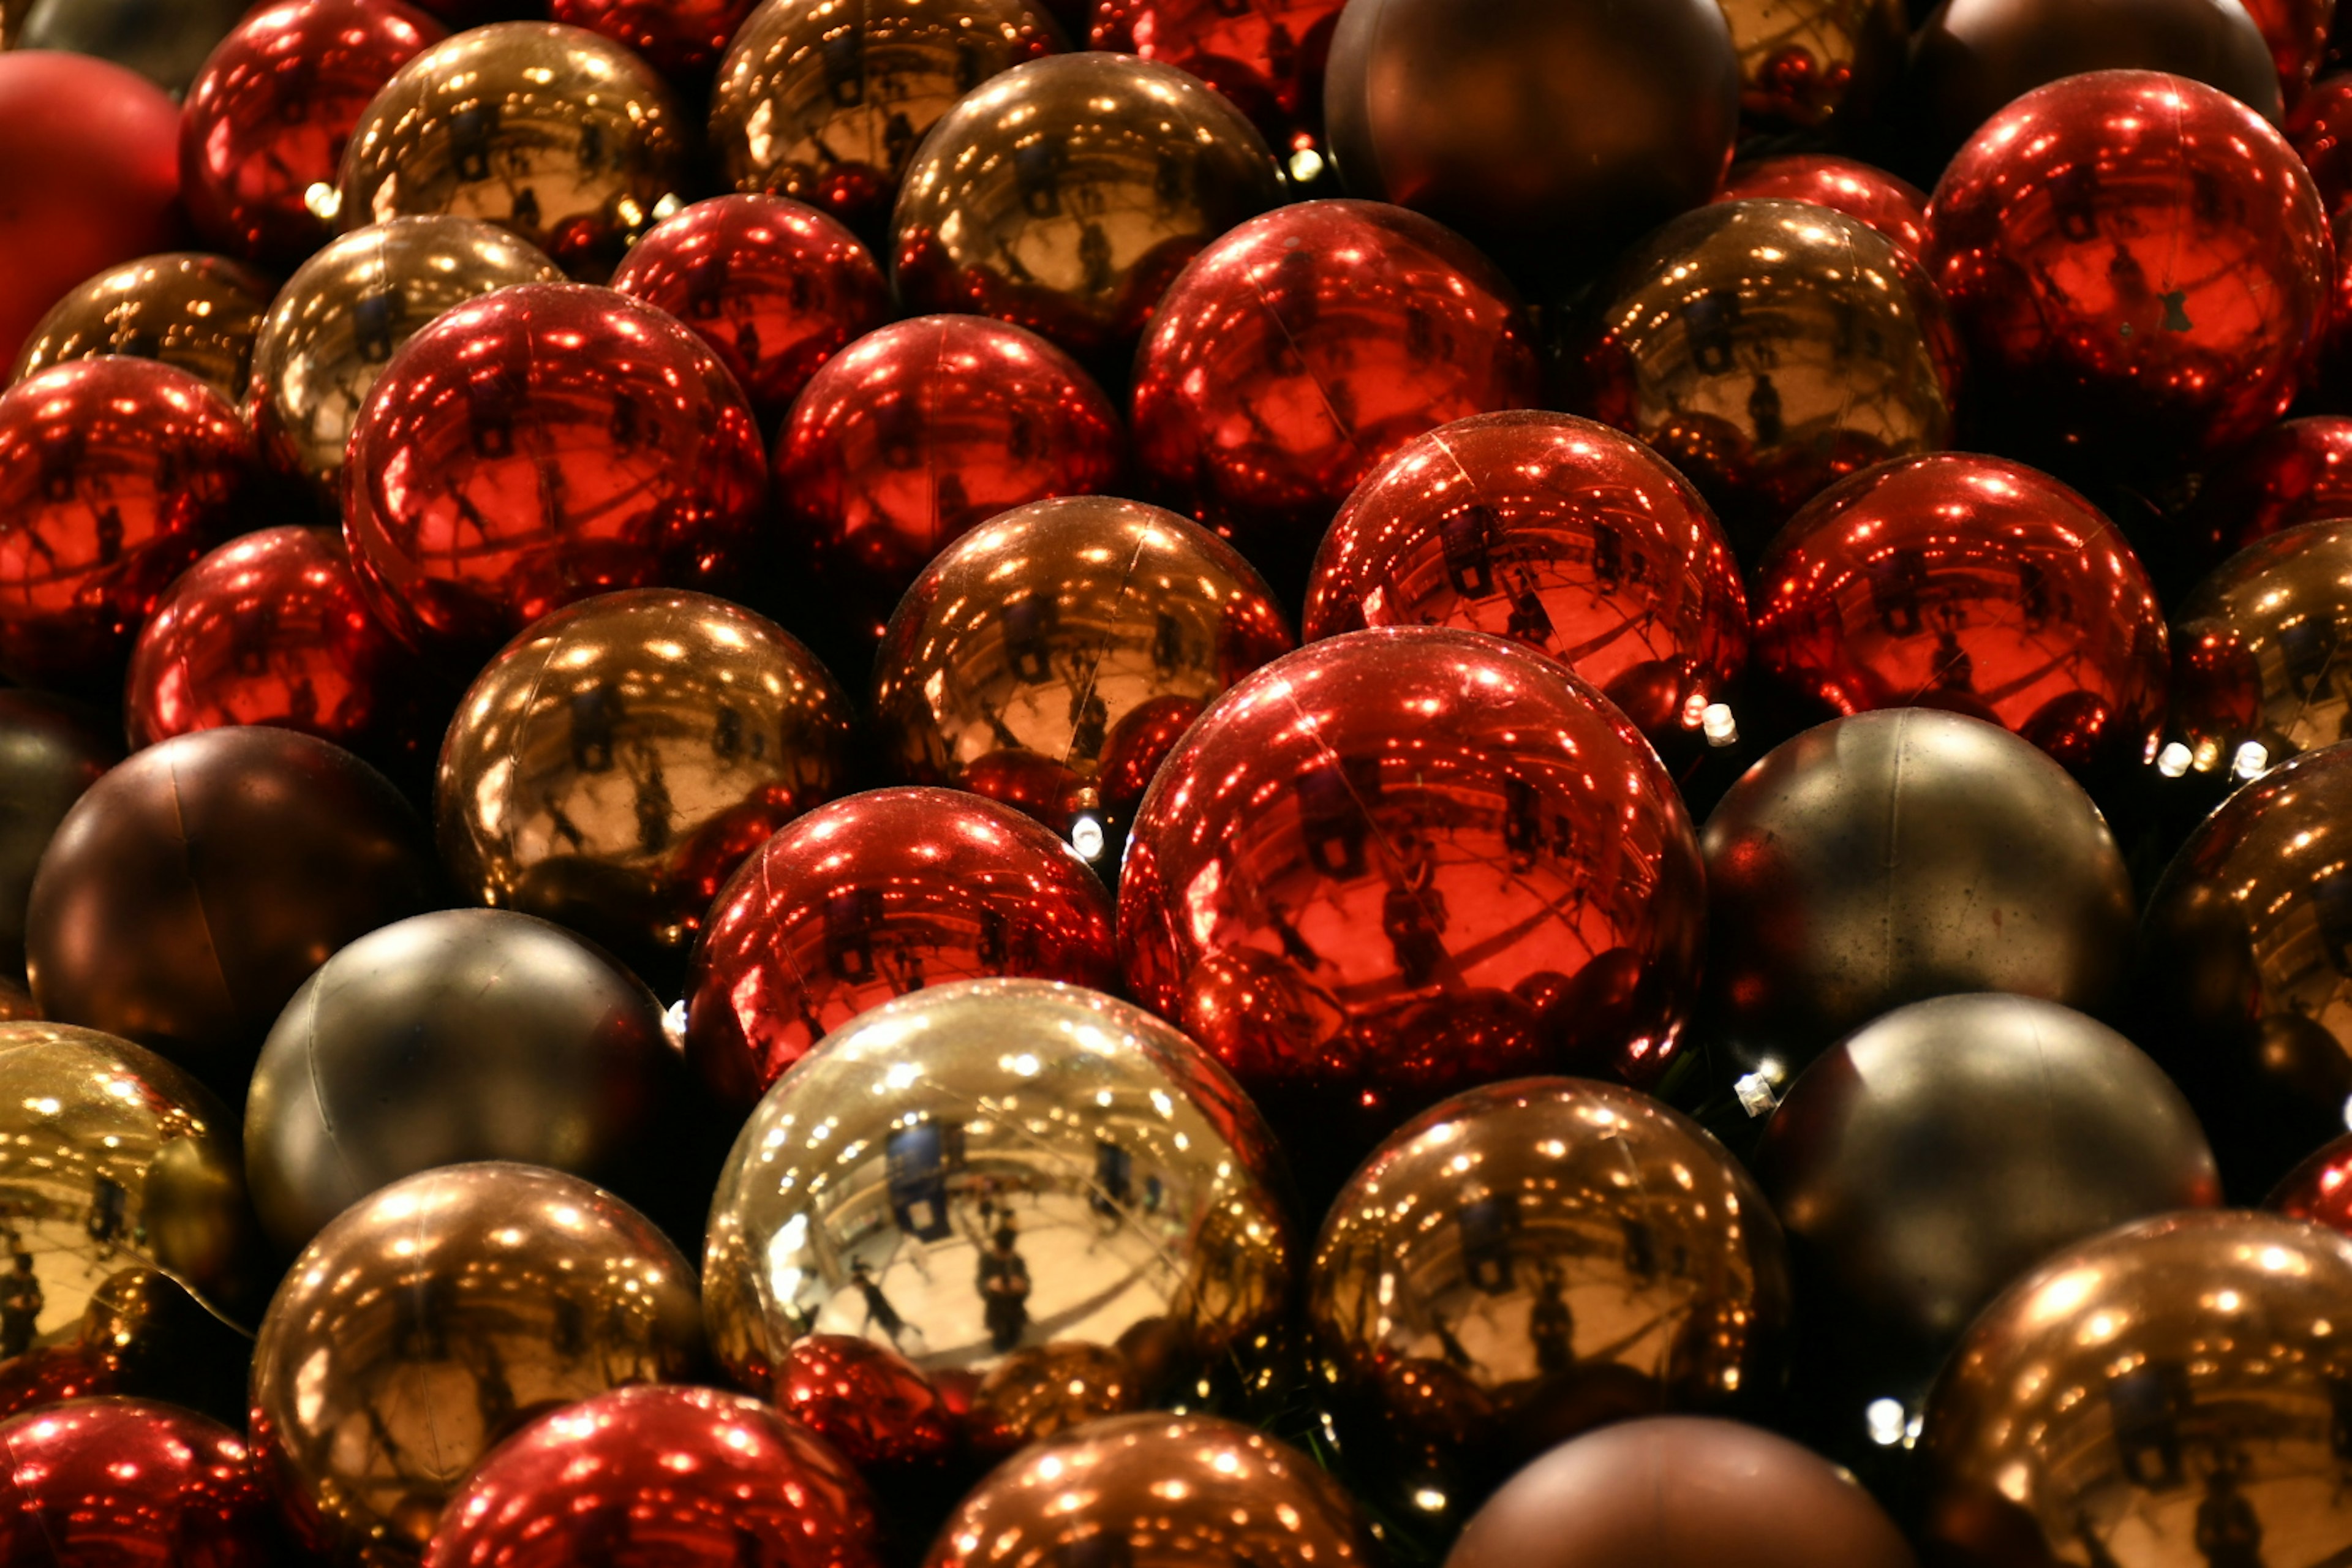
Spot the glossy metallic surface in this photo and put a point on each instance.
(2161, 1397)
(197, 312)
(539, 445)
(165, 41)
(1049, 1201)
(334, 328)
(1802, 62)
(2140, 266)
(868, 1401)
(1767, 349)
(1050, 657)
(2297, 471)
(871, 897)
(2296, 33)
(2320, 1189)
(1893, 205)
(828, 102)
(107, 1481)
(555, 133)
(51, 749)
(1268, 55)
(2321, 133)
(1896, 856)
(2255, 655)
(434, 1318)
(612, 766)
(680, 39)
(1569, 537)
(1065, 194)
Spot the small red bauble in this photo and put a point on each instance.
(659, 1473)
(267, 118)
(1304, 346)
(2141, 267)
(115, 473)
(1268, 55)
(678, 37)
(867, 1400)
(99, 1483)
(2297, 471)
(2320, 1189)
(1894, 206)
(1971, 584)
(2321, 134)
(870, 898)
(775, 287)
(2296, 33)
(538, 445)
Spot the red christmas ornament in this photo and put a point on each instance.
(867, 1400)
(2296, 32)
(102, 1482)
(1304, 347)
(679, 38)
(267, 118)
(2141, 267)
(2297, 471)
(2320, 1189)
(1971, 584)
(659, 1473)
(2321, 133)
(538, 445)
(1894, 208)
(919, 433)
(1268, 55)
(775, 287)
(115, 473)
(1564, 535)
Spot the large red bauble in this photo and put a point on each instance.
(1400, 862)
(1304, 347)
(115, 473)
(681, 1476)
(1894, 206)
(2297, 471)
(93, 178)
(2141, 267)
(870, 898)
(680, 38)
(538, 445)
(2321, 134)
(920, 432)
(1971, 584)
(1268, 55)
(775, 287)
(867, 1400)
(109, 1483)
(1564, 535)
(267, 117)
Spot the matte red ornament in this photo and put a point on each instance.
(108, 1483)
(659, 1473)
(538, 445)
(2296, 33)
(2297, 471)
(1894, 206)
(775, 286)
(867, 1400)
(682, 38)
(1301, 349)
(267, 118)
(1971, 584)
(1268, 55)
(1569, 537)
(115, 473)
(2142, 269)
(2321, 133)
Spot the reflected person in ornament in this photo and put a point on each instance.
(1004, 1289)
(20, 1305)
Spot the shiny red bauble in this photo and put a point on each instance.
(1268, 55)
(538, 445)
(919, 433)
(678, 37)
(870, 898)
(867, 1400)
(109, 1483)
(659, 1473)
(1887, 202)
(2296, 32)
(1568, 537)
(2297, 471)
(775, 288)
(2141, 267)
(2321, 133)
(115, 473)
(2320, 1189)
(1304, 346)
(1971, 584)
(267, 118)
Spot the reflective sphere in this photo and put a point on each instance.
(1872, 198)
(1561, 534)
(539, 446)
(2140, 266)
(1533, 1258)
(561, 135)
(613, 764)
(2320, 1189)
(2297, 471)
(1052, 1203)
(2321, 134)
(679, 38)
(871, 897)
(829, 105)
(775, 288)
(194, 887)
(51, 749)
(268, 118)
(1896, 856)
(437, 1316)
(2295, 31)
(1767, 349)
(199, 313)
(2161, 1397)
(1066, 194)
(1268, 55)
(164, 40)
(1800, 64)
(334, 328)
(867, 1400)
(1050, 659)
(919, 433)
(2254, 667)
(106, 1481)
(1300, 350)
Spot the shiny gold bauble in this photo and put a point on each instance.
(2255, 654)
(1803, 61)
(1053, 1203)
(334, 326)
(828, 102)
(555, 133)
(199, 313)
(438, 1315)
